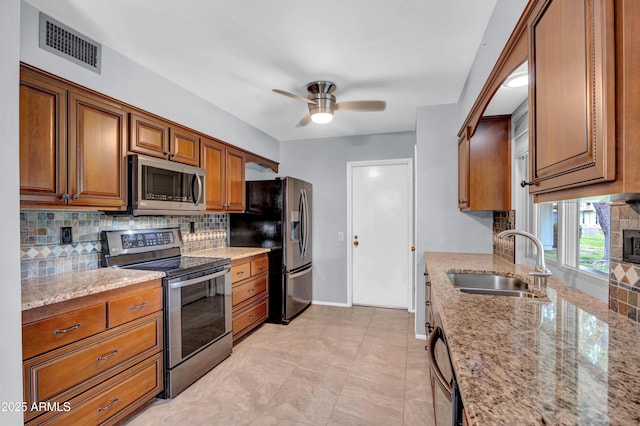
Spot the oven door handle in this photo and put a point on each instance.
(436, 335)
(199, 279)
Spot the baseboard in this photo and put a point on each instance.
(320, 302)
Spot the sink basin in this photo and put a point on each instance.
(489, 284)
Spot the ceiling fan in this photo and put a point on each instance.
(322, 103)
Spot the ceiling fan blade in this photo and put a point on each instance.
(361, 106)
(305, 120)
(294, 96)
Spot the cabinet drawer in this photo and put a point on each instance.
(253, 315)
(59, 330)
(64, 373)
(259, 265)
(249, 289)
(112, 400)
(134, 306)
(240, 271)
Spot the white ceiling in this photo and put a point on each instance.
(410, 53)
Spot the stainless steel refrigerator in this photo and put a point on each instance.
(279, 216)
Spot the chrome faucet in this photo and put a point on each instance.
(541, 271)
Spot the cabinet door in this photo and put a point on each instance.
(490, 165)
(572, 109)
(184, 147)
(212, 156)
(149, 136)
(97, 141)
(235, 180)
(43, 141)
(463, 173)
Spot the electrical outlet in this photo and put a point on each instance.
(66, 236)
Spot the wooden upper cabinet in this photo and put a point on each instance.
(149, 136)
(484, 166)
(72, 146)
(213, 160)
(184, 146)
(43, 141)
(158, 138)
(97, 146)
(572, 94)
(463, 172)
(225, 178)
(235, 186)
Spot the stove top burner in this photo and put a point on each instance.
(153, 250)
(181, 265)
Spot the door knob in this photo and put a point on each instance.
(355, 243)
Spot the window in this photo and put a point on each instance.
(575, 230)
(574, 234)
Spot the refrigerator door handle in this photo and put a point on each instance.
(301, 273)
(305, 227)
(301, 212)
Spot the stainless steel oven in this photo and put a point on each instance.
(197, 300)
(198, 314)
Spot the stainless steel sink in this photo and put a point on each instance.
(489, 284)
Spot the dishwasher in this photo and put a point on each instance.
(447, 403)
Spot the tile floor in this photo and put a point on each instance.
(330, 366)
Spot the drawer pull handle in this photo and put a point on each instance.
(106, 407)
(240, 273)
(142, 305)
(107, 356)
(261, 267)
(66, 330)
(251, 317)
(251, 290)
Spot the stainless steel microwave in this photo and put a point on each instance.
(162, 187)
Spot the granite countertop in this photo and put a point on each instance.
(562, 360)
(233, 253)
(52, 289)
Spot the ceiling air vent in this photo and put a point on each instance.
(65, 42)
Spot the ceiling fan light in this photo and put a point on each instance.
(517, 80)
(321, 117)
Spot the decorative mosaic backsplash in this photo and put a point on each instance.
(624, 278)
(41, 251)
(504, 247)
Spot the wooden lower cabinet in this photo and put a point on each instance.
(113, 400)
(250, 294)
(109, 365)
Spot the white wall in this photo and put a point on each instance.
(323, 162)
(441, 227)
(127, 81)
(10, 315)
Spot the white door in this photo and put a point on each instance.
(380, 232)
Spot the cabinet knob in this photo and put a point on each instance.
(355, 243)
(75, 196)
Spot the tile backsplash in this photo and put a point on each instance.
(41, 251)
(624, 276)
(504, 247)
